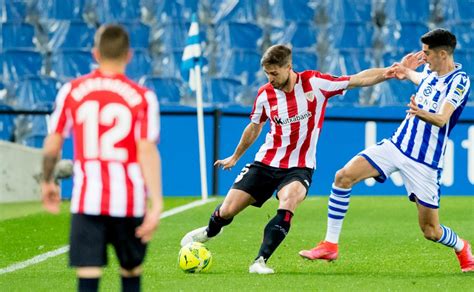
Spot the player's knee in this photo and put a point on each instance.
(226, 212)
(131, 272)
(89, 272)
(343, 179)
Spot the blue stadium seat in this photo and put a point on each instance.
(30, 130)
(304, 59)
(351, 35)
(172, 35)
(70, 35)
(349, 10)
(239, 64)
(404, 36)
(72, 63)
(292, 10)
(6, 124)
(18, 64)
(139, 34)
(71, 10)
(18, 35)
(167, 89)
(223, 90)
(140, 65)
(407, 11)
(298, 34)
(466, 58)
(168, 11)
(348, 62)
(239, 35)
(457, 10)
(239, 11)
(464, 32)
(21, 10)
(36, 93)
(118, 10)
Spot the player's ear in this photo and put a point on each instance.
(96, 54)
(129, 55)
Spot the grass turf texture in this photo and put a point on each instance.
(381, 249)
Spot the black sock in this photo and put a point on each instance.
(274, 233)
(88, 284)
(130, 284)
(217, 222)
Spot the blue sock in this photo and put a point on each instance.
(449, 238)
(337, 208)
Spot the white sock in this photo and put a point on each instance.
(337, 207)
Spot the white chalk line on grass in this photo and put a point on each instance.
(50, 254)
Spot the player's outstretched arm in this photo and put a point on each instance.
(437, 119)
(49, 189)
(368, 77)
(399, 71)
(150, 164)
(250, 134)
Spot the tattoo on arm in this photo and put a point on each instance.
(49, 162)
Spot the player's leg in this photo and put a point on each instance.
(292, 189)
(87, 251)
(129, 249)
(247, 190)
(428, 219)
(290, 196)
(423, 187)
(377, 161)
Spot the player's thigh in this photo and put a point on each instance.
(129, 249)
(235, 201)
(377, 161)
(88, 241)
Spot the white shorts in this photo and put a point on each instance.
(420, 181)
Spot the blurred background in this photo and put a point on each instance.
(45, 43)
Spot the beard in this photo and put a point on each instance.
(280, 86)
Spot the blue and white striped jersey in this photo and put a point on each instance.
(422, 141)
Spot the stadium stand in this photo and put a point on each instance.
(43, 41)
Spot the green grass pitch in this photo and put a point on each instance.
(381, 249)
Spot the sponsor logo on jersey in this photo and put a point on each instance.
(291, 120)
(427, 90)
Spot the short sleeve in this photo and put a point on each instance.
(259, 114)
(458, 90)
(148, 123)
(61, 120)
(330, 85)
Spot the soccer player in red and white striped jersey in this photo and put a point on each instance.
(294, 102)
(115, 126)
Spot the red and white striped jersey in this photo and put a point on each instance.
(108, 115)
(296, 118)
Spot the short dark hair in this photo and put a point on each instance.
(440, 38)
(112, 41)
(279, 55)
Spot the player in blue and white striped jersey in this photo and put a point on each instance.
(416, 149)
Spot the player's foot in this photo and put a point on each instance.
(466, 260)
(197, 235)
(260, 267)
(323, 251)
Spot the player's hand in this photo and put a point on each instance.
(413, 108)
(397, 70)
(50, 197)
(148, 227)
(413, 60)
(227, 163)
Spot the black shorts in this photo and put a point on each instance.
(261, 181)
(90, 235)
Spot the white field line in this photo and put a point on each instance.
(44, 256)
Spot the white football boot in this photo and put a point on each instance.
(260, 267)
(197, 235)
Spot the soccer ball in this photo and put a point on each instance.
(194, 257)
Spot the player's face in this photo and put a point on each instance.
(432, 57)
(277, 76)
